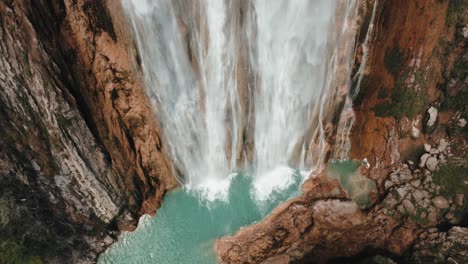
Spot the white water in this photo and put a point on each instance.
(347, 117)
(222, 74)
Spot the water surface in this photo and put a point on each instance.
(186, 226)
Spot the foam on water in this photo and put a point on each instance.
(273, 181)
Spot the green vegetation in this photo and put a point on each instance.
(23, 239)
(452, 177)
(393, 60)
(14, 253)
(455, 11)
(456, 102)
(418, 218)
(405, 100)
(459, 99)
(11, 28)
(460, 68)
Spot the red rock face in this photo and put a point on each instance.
(319, 225)
(116, 99)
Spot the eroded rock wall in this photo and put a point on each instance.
(81, 154)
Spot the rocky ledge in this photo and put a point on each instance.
(415, 211)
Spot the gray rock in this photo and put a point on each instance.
(433, 112)
(427, 147)
(440, 202)
(406, 175)
(442, 145)
(461, 122)
(409, 207)
(433, 151)
(388, 185)
(442, 159)
(416, 183)
(403, 191)
(419, 195)
(423, 159)
(432, 163)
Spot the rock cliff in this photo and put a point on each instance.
(81, 156)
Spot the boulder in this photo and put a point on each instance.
(427, 147)
(431, 163)
(431, 119)
(440, 202)
(442, 145)
(433, 112)
(434, 151)
(423, 160)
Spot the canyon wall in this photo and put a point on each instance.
(81, 156)
(410, 131)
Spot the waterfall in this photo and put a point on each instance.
(347, 117)
(245, 84)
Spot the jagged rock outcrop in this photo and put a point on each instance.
(81, 156)
(325, 224)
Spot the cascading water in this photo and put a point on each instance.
(289, 55)
(248, 94)
(209, 97)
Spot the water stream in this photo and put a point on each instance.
(248, 94)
